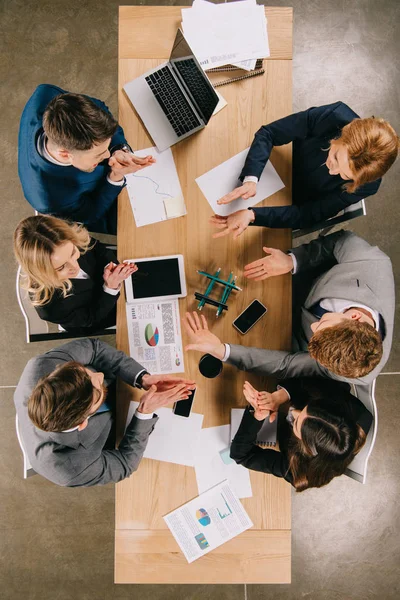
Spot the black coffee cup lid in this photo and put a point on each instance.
(209, 366)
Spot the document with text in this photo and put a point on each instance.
(208, 521)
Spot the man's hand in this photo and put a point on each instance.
(235, 223)
(114, 274)
(165, 383)
(122, 163)
(245, 191)
(201, 339)
(151, 400)
(276, 263)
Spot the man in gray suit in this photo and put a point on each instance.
(65, 430)
(343, 312)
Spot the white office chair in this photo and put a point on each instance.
(357, 469)
(38, 330)
(28, 471)
(350, 212)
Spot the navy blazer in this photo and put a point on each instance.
(316, 194)
(244, 449)
(87, 305)
(64, 192)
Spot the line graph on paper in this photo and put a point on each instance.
(153, 189)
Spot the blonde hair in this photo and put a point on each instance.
(35, 240)
(372, 146)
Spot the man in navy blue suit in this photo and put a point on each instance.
(73, 157)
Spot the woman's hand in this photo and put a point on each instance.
(264, 403)
(245, 191)
(235, 223)
(201, 339)
(114, 274)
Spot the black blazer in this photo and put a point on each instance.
(244, 449)
(87, 305)
(316, 194)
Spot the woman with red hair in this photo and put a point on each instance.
(338, 159)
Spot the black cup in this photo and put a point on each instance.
(209, 366)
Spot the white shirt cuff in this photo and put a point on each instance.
(281, 387)
(117, 183)
(137, 375)
(293, 271)
(111, 291)
(251, 178)
(143, 416)
(227, 352)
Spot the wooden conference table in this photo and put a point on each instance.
(145, 550)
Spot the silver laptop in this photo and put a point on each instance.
(174, 100)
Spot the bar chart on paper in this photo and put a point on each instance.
(155, 192)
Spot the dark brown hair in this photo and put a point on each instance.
(330, 438)
(74, 122)
(349, 349)
(62, 399)
(372, 146)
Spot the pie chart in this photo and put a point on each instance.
(151, 335)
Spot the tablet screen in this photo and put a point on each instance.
(156, 278)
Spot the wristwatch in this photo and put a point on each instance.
(124, 147)
(139, 379)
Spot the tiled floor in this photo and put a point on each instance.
(58, 543)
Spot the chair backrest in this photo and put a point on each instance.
(350, 212)
(34, 325)
(357, 469)
(28, 471)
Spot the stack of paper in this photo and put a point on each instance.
(233, 33)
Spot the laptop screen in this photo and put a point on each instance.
(193, 77)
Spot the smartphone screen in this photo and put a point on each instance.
(249, 316)
(183, 407)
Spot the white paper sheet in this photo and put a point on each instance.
(150, 187)
(236, 418)
(223, 179)
(210, 451)
(173, 436)
(228, 33)
(208, 521)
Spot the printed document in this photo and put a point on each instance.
(223, 179)
(208, 521)
(212, 462)
(154, 332)
(155, 192)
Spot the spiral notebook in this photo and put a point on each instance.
(266, 437)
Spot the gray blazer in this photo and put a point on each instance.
(362, 273)
(78, 458)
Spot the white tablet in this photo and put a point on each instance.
(157, 278)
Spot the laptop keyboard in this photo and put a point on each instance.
(172, 101)
(204, 96)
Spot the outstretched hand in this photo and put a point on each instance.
(245, 191)
(276, 263)
(236, 223)
(153, 399)
(200, 337)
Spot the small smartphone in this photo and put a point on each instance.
(183, 407)
(249, 317)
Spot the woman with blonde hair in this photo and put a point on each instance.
(338, 159)
(72, 279)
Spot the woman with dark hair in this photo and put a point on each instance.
(324, 429)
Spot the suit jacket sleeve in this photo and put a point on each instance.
(114, 465)
(99, 355)
(245, 452)
(311, 212)
(296, 126)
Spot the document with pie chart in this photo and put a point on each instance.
(155, 339)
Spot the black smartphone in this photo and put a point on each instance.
(183, 407)
(249, 317)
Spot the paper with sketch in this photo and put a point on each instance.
(213, 463)
(208, 521)
(266, 436)
(228, 33)
(151, 187)
(155, 339)
(223, 179)
(172, 437)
